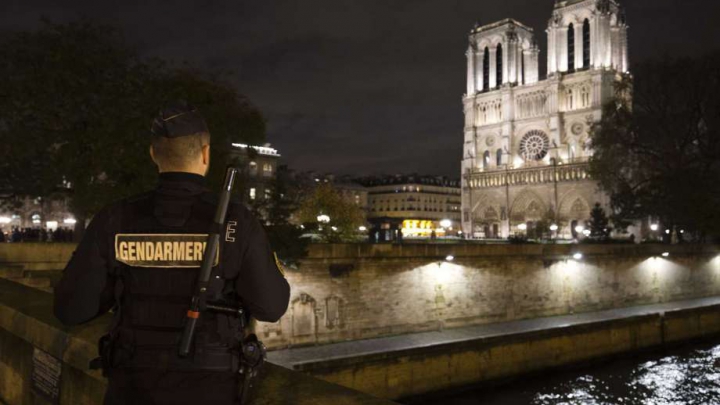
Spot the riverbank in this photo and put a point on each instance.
(409, 365)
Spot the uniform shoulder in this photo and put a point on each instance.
(236, 208)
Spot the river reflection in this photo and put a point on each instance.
(688, 375)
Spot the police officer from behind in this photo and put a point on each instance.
(141, 256)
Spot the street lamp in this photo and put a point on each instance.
(579, 229)
(654, 227)
(362, 229)
(323, 218)
(553, 227)
(446, 223)
(522, 227)
(577, 256)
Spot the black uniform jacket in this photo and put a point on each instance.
(86, 289)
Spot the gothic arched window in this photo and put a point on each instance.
(499, 65)
(586, 43)
(522, 67)
(571, 47)
(499, 157)
(486, 159)
(486, 69)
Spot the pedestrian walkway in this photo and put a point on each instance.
(292, 358)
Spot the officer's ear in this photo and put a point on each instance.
(152, 155)
(206, 154)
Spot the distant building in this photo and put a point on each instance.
(413, 206)
(527, 140)
(258, 168)
(347, 186)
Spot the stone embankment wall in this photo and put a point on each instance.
(347, 292)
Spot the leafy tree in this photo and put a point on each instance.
(659, 154)
(345, 216)
(75, 108)
(598, 223)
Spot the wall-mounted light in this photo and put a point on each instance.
(553, 227)
(666, 254)
(362, 229)
(577, 256)
(449, 258)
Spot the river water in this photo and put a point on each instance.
(685, 375)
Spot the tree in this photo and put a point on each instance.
(75, 109)
(598, 223)
(659, 154)
(345, 217)
(285, 237)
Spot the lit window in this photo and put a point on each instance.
(252, 193)
(253, 168)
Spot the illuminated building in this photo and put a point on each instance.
(413, 207)
(526, 141)
(258, 167)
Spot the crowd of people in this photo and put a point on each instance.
(17, 234)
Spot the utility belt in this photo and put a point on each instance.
(115, 354)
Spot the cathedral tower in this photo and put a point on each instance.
(527, 141)
(585, 34)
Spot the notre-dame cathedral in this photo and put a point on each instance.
(526, 150)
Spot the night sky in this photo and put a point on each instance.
(358, 87)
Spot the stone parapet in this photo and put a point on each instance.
(26, 322)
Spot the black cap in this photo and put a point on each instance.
(177, 119)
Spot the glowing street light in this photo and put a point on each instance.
(70, 221)
(666, 254)
(654, 227)
(522, 227)
(446, 223)
(323, 218)
(449, 258)
(579, 228)
(362, 229)
(333, 228)
(553, 227)
(577, 256)
(586, 232)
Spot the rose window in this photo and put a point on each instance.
(534, 145)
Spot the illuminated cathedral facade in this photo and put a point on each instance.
(526, 140)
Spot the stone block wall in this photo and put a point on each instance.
(347, 292)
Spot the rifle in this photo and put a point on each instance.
(252, 351)
(198, 303)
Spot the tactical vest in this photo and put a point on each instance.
(156, 268)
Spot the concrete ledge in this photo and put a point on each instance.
(403, 366)
(26, 321)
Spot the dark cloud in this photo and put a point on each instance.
(353, 86)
